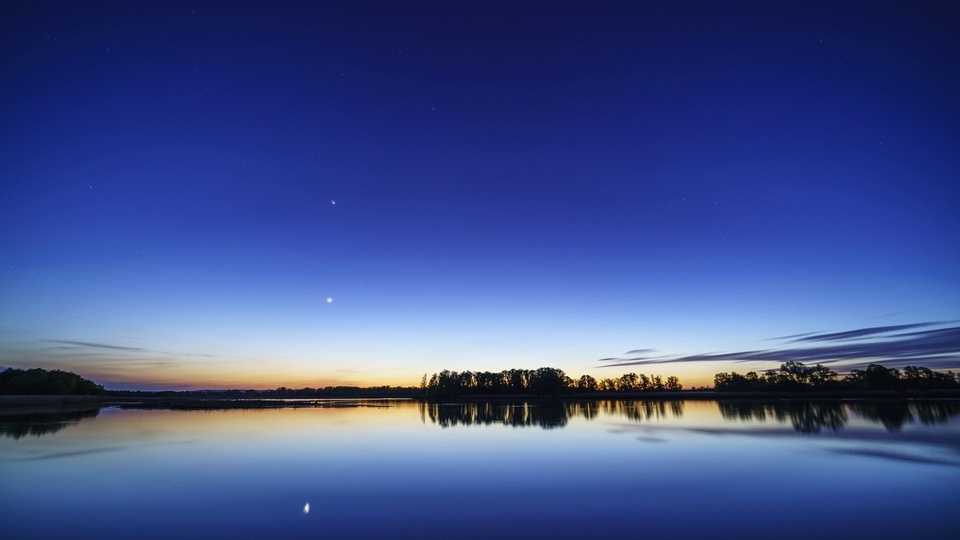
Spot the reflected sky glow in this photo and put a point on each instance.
(366, 471)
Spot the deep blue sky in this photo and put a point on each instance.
(515, 185)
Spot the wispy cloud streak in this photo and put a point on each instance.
(97, 345)
(109, 347)
(940, 347)
(861, 332)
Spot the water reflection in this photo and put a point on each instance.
(485, 414)
(894, 415)
(352, 471)
(805, 416)
(18, 426)
(808, 417)
(544, 415)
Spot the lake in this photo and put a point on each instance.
(400, 469)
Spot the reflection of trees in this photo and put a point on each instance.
(813, 416)
(896, 414)
(545, 415)
(936, 412)
(485, 414)
(641, 411)
(40, 424)
(806, 416)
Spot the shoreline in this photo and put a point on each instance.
(702, 395)
(14, 405)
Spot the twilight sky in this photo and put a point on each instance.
(677, 188)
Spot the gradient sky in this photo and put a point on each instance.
(479, 186)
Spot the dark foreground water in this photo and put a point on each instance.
(615, 469)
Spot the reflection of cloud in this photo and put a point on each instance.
(895, 456)
(73, 453)
(869, 442)
(936, 348)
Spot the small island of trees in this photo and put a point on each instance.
(41, 382)
(545, 381)
(797, 377)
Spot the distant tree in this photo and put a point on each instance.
(793, 376)
(587, 383)
(875, 377)
(754, 382)
(629, 382)
(608, 384)
(518, 380)
(39, 381)
(549, 381)
(820, 377)
(922, 378)
(722, 382)
(545, 381)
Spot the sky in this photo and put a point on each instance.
(264, 194)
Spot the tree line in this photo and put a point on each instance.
(279, 393)
(40, 382)
(797, 377)
(545, 381)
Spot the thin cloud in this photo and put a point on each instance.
(939, 347)
(791, 336)
(96, 345)
(106, 346)
(863, 332)
(640, 351)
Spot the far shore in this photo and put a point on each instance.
(703, 395)
(15, 405)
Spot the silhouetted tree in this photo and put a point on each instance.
(549, 381)
(39, 381)
(546, 381)
(629, 382)
(587, 383)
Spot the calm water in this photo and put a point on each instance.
(400, 469)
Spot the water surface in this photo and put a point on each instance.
(373, 469)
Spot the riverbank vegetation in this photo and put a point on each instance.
(328, 392)
(797, 377)
(545, 381)
(41, 382)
